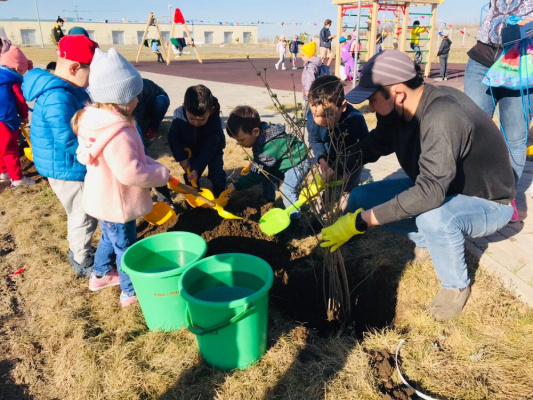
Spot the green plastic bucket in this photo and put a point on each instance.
(227, 308)
(155, 265)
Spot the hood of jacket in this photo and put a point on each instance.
(315, 61)
(38, 81)
(96, 128)
(8, 76)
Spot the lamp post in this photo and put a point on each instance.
(39, 21)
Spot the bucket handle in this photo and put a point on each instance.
(204, 331)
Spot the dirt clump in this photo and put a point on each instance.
(383, 363)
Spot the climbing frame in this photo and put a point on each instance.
(402, 11)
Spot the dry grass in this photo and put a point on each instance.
(58, 340)
(73, 344)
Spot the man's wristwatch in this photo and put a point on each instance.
(360, 223)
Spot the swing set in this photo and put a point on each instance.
(178, 19)
(401, 11)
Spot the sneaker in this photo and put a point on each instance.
(283, 68)
(449, 303)
(419, 256)
(126, 300)
(24, 182)
(439, 79)
(4, 177)
(84, 269)
(111, 279)
(516, 216)
(276, 65)
(294, 68)
(444, 79)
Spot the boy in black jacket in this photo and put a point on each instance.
(197, 129)
(443, 52)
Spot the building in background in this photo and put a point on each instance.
(26, 32)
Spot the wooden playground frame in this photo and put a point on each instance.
(402, 12)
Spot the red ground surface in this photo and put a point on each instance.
(241, 71)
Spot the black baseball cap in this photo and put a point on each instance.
(386, 68)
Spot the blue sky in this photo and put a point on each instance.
(306, 12)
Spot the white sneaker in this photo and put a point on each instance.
(283, 68)
(276, 65)
(294, 68)
(24, 182)
(4, 177)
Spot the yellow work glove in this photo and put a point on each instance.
(341, 231)
(313, 188)
(222, 200)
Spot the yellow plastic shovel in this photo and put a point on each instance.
(179, 187)
(27, 150)
(160, 214)
(195, 201)
(278, 219)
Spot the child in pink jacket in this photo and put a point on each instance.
(119, 174)
(281, 48)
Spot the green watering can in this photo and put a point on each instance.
(278, 219)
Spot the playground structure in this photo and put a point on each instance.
(178, 19)
(400, 26)
(152, 21)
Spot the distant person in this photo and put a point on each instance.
(444, 51)
(119, 173)
(57, 98)
(281, 49)
(415, 40)
(13, 112)
(278, 157)
(312, 65)
(347, 57)
(325, 44)
(155, 49)
(58, 31)
(379, 42)
(197, 128)
(294, 49)
(514, 117)
(78, 30)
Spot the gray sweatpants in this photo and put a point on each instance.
(443, 66)
(80, 225)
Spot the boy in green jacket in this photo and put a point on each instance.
(277, 156)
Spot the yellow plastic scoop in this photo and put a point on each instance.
(27, 150)
(179, 187)
(160, 214)
(195, 201)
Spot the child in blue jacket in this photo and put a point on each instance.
(57, 98)
(197, 129)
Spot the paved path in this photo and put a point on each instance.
(508, 252)
(242, 71)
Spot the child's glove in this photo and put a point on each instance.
(341, 231)
(314, 188)
(223, 198)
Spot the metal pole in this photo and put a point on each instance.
(39, 21)
(192, 23)
(356, 53)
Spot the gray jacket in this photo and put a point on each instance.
(310, 73)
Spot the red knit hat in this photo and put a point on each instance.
(15, 58)
(77, 48)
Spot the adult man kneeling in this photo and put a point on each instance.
(460, 182)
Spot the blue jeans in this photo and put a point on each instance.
(116, 238)
(418, 53)
(511, 114)
(159, 110)
(292, 180)
(441, 230)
